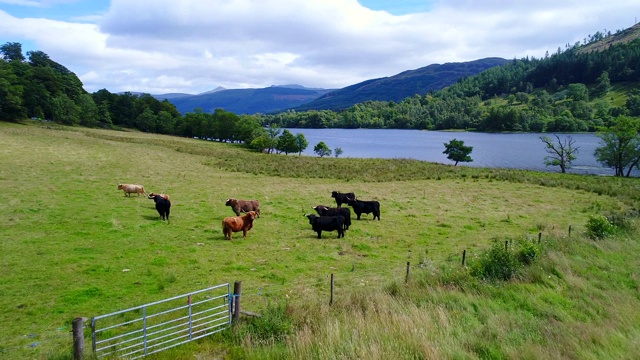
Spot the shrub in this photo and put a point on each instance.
(528, 252)
(497, 263)
(599, 227)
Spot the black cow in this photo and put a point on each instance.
(163, 206)
(342, 198)
(366, 207)
(326, 223)
(327, 211)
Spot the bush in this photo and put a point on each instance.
(497, 263)
(599, 227)
(528, 252)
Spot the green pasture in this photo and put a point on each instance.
(72, 245)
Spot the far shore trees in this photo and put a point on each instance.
(457, 151)
(561, 153)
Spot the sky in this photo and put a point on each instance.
(194, 46)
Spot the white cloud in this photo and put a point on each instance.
(194, 46)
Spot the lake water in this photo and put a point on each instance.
(516, 151)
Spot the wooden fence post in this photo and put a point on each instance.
(506, 245)
(237, 291)
(78, 339)
(569, 230)
(406, 278)
(331, 299)
(464, 256)
(539, 237)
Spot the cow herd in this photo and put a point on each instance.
(339, 218)
(328, 219)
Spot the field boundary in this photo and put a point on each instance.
(146, 329)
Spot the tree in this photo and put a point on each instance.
(620, 148)
(273, 131)
(301, 142)
(577, 92)
(260, 143)
(287, 142)
(65, 111)
(89, 112)
(603, 85)
(457, 151)
(337, 151)
(322, 149)
(12, 51)
(561, 154)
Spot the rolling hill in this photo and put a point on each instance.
(400, 86)
(278, 98)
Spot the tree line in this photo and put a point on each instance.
(563, 92)
(538, 95)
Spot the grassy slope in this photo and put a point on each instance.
(68, 234)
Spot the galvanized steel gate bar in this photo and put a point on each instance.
(147, 329)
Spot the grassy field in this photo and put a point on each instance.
(73, 245)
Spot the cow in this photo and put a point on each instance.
(327, 211)
(326, 223)
(131, 188)
(342, 198)
(244, 206)
(366, 207)
(242, 223)
(165, 196)
(163, 206)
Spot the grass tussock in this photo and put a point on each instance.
(540, 313)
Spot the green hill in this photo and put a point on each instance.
(406, 84)
(572, 90)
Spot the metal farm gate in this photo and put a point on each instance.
(147, 329)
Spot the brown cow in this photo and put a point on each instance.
(242, 223)
(164, 196)
(244, 206)
(131, 188)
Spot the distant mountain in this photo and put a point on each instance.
(245, 101)
(282, 97)
(400, 86)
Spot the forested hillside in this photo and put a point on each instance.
(570, 90)
(398, 87)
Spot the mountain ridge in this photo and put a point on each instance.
(277, 98)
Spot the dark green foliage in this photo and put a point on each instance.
(497, 263)
(599, 227)
(12, 51)
(620, 146)
(528, 252)
(457, 151)
(550, 94)
(321, 149)
(287, 143)
(301, 143)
